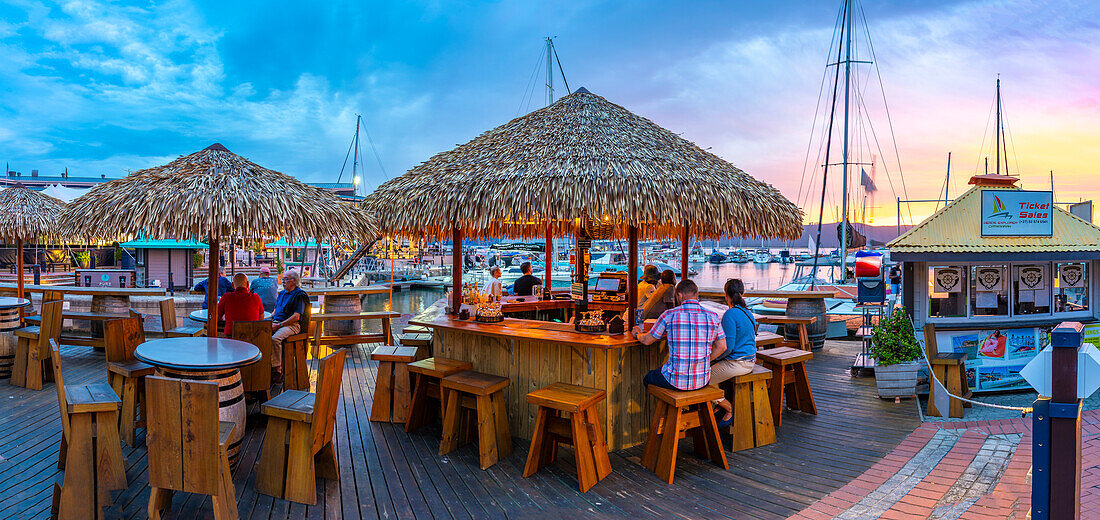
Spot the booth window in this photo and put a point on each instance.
(1031, 289)
(988, 290)
(947, 291)
(1071, 287)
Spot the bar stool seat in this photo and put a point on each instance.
(418, 340)
(789, 379)
(470, 392)
(427, 398)
(678, 413)
(582, 430)
(752, 414)
(393, 391)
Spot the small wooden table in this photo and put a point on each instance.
(207, 359)
(9, 321)
(800, 322)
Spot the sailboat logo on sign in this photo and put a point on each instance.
(999, 209)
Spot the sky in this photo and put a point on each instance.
(106, 87)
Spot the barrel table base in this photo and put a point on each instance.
(231, 405)
(9, 321)
(342, 303)
(807, 308)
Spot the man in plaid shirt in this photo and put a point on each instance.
(695, 338)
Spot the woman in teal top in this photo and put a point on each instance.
(739, 326)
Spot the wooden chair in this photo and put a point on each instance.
(950, 370)
(257, 376)
(582, 430)
(298, 442)
(789, 379)
(295, 369)
(168, 322)
(187, 445)
(125, 373)
(752, 414)
(469, 392)
(678, 413)
(393, 390)
(427, 398)
(90, 451)
(32, 347)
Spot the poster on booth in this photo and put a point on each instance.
(994, 357)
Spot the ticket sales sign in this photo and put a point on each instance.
(1017, 213)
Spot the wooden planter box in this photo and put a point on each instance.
(898, 380)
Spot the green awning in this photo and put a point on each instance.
(281, 243)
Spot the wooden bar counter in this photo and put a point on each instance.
(534, 354)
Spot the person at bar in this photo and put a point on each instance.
(695, 338)
(494, 288)
(266, 287)
(290, 305)
(739, 358)
(224, 285)
(663, 297)
(525, 285)
(651, 277)
(240, 304)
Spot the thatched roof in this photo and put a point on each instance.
(28, 215)
(582, 155)
(214, 189)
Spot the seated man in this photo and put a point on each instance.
(289, 308)
(695, 338)
(239, 305)
(266, 288)
(662, 298)
(651, 277)
(525, 285)
(224, 285)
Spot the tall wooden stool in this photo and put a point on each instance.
(298, 442)
(90, 451)
(582, 430)
(416, 329)
(788, 366)
(678, 413)
(32, 348)
(418, 340)
(950, 369)
(168, 322)
(427, 397)
(471, 392)
(257, 376)
(295, 348)
(126, 374)
(393, 389)
(752, 413)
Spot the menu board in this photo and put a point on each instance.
(994, 357)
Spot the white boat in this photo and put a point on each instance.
(762, 256)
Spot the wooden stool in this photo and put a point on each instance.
(419, 340)
(467, 392)
(679, 412)
(126, 374)
(393, 391)
(427, 397)
(90, 454)
(788, 366)
(582, 430)
(950, 370)
(752, 414)
(416, 329)
(32, 349)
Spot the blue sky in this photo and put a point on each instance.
(104, 87)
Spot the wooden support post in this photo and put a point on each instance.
(19, 271)
(684, 255)
(212, 289)
(1065, 423)
(632, 276)
(546, 285)
(456, 269)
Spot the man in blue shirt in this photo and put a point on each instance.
(290, 305)
(224, 285)
(266, 288)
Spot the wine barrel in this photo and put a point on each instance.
(7, 353)
(342, 303)
(806, 308)
(231, 406)
(109, 305)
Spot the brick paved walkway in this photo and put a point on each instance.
(973, 470)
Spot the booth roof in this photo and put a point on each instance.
(956, 228)
(150, 243)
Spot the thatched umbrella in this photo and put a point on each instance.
(582, 156)
(27, 215)
(214, 193)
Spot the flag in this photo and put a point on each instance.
(866, 182)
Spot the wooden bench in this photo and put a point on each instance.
(789, 379)
(82, 341)
(678, 413)
(752, 414)
(393, 389)
(427, 398)
(582, 430)
(467, 393)
(950, 370)
(801, 322)
(385, 337)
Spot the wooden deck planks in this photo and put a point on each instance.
(386, 473)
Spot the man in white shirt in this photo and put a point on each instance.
(494, 288)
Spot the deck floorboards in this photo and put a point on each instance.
(388, 474)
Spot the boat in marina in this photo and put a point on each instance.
(718, 257)
(762, 256)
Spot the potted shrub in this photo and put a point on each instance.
(896, 354)
(83, 259)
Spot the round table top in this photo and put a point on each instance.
(202, 315)
(11, 302)
(197, 353)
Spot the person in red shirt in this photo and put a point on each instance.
(239, 305)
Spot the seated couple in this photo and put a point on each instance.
(703, 348)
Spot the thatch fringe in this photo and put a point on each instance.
(28, 214)
(583, 155)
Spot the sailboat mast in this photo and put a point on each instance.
(998, 136)
(549, 71)
(355, 161)
(844, 172)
